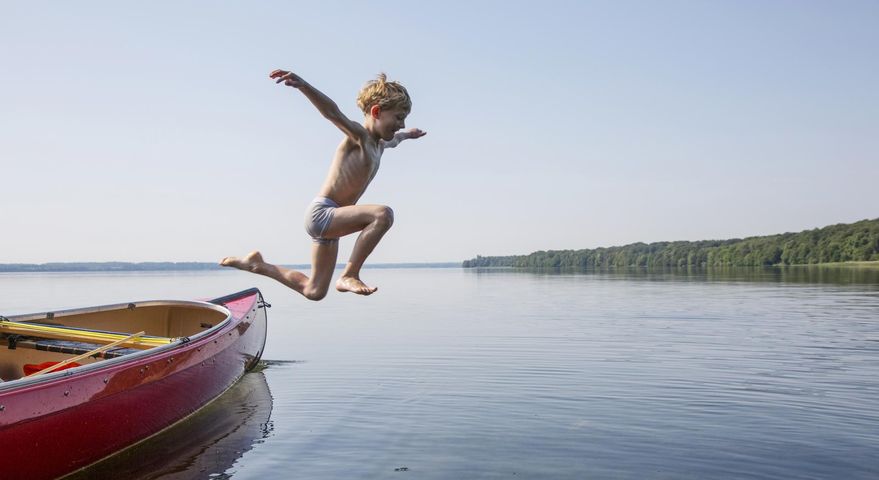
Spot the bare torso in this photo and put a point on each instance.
(353, 168)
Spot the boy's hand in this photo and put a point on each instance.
(289, 78)
(415, 133)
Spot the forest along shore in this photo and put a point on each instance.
(842, 244)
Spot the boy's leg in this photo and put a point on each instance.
(323, 261)
(372, 221)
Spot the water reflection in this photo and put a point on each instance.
(810, 274)
(206, 445)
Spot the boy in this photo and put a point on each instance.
(335, 213)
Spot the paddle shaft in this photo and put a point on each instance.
(88, 354)
(62, 333)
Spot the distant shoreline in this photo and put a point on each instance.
(863, 264)
(84, 267)
(871, 263)
(174, 266)
(841, 244)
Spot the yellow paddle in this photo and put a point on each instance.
(46, 331)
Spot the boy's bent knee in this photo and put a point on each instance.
(315, 294)
(384, 217)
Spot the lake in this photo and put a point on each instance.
(447, 373)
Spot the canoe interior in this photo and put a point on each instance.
(157, 319)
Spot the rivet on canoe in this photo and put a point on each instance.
(141, 371)
(66, 393)
(106, 380)
(2, 407)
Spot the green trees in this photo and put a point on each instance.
(836, 243)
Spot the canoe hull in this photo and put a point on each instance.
(58, 427)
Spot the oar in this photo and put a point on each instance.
(64, 333)
(88, 354)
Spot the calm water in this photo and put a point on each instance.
(451, 374)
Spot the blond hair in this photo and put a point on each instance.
(383, 93)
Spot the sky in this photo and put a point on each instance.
(150, 131)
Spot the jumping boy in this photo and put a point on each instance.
(335, 213)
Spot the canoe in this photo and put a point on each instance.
(165, 361)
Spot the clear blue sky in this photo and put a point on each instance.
(149, 131)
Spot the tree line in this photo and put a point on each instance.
(857, 241)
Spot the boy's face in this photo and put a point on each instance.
(389, 121)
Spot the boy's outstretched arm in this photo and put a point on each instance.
(404, 135)
(324, 104)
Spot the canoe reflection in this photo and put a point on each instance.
(206, 444)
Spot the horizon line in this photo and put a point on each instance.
(121, 266)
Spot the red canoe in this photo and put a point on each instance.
(55, 423)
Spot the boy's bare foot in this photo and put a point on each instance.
(354, 285)
(249, 262)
